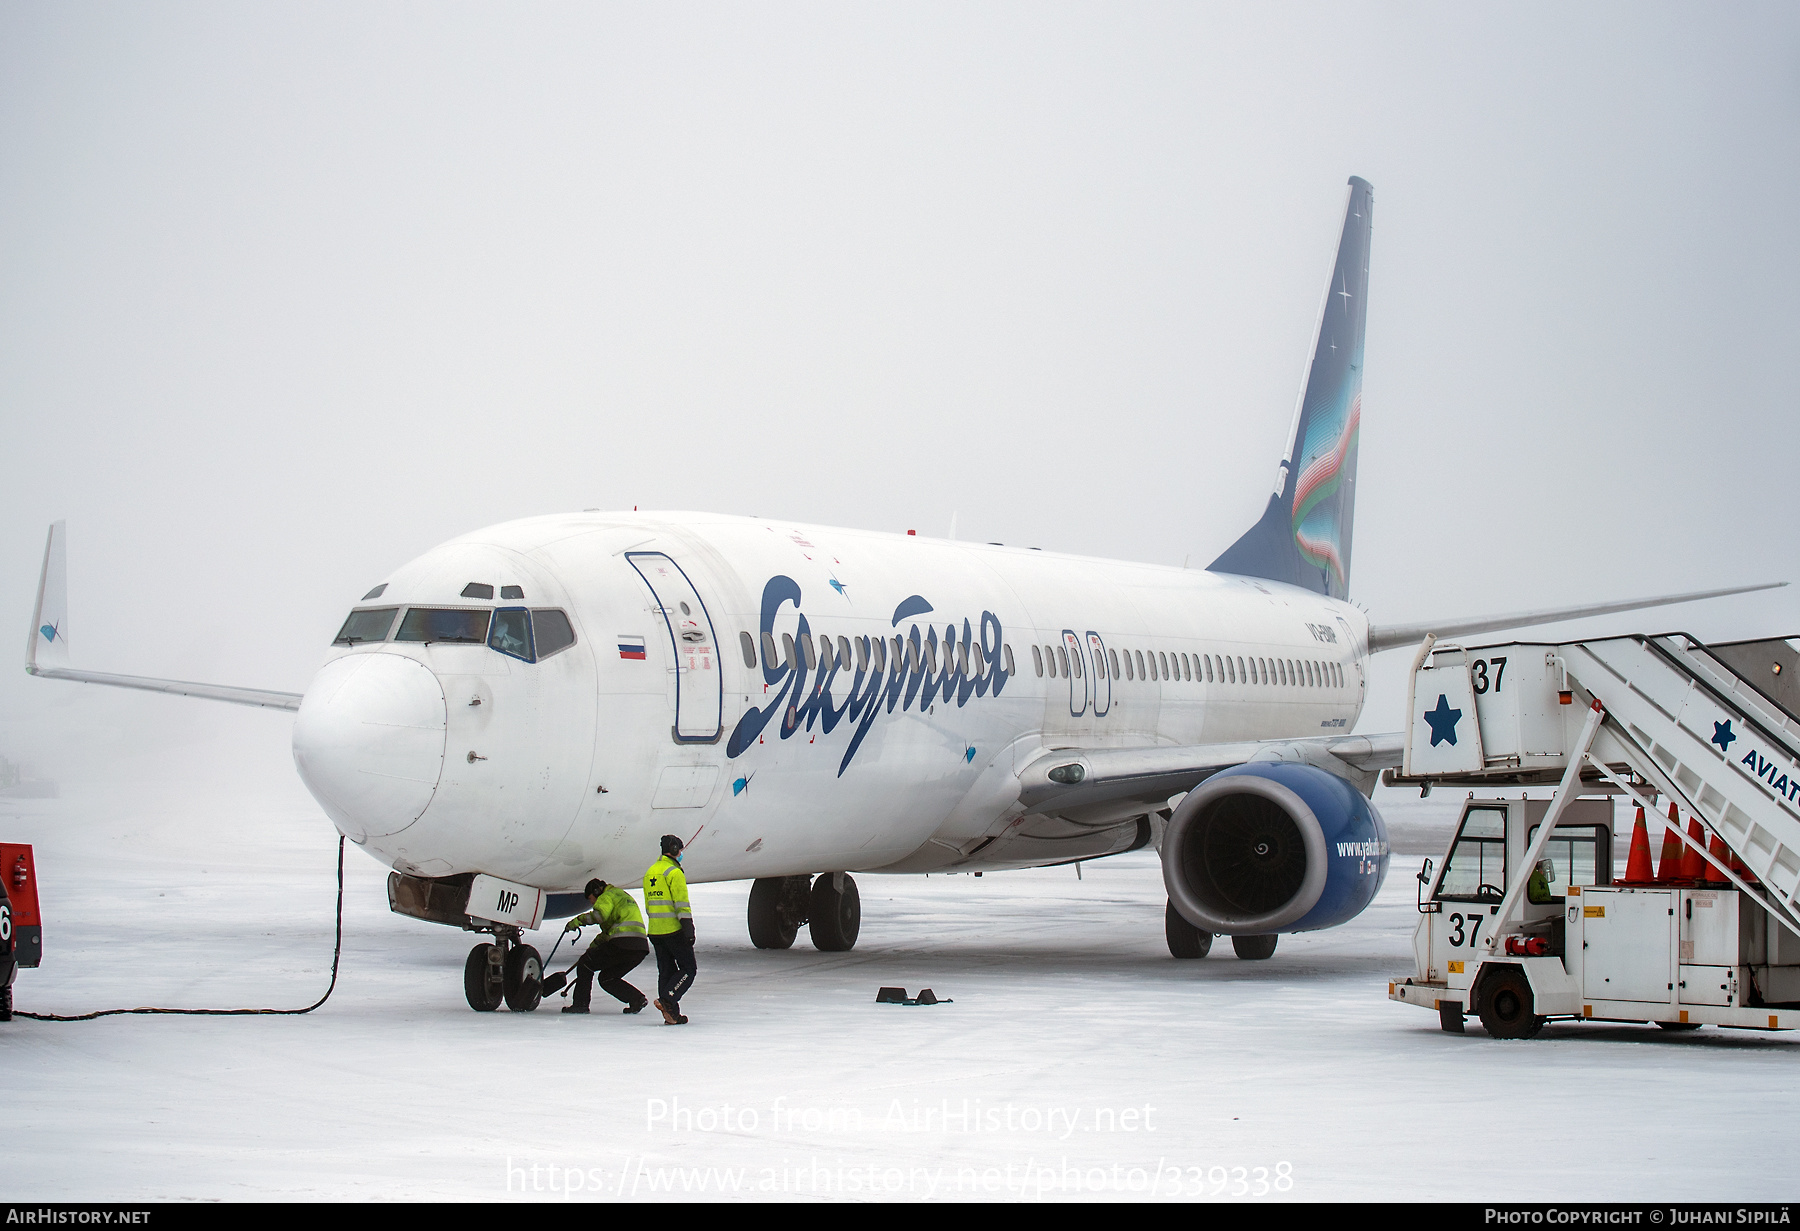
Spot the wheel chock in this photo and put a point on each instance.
(897, 995)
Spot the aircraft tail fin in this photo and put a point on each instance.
(1303, 537)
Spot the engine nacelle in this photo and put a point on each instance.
(1273, 847)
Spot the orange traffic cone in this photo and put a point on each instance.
(1738, 866)
(1637, 863)
(1693, 867)
(1668, 868)
(1714, 875)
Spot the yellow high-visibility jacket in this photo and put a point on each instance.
(666, 897)
(616, 911)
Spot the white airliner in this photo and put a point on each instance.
(532, 705)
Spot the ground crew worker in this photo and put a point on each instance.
(1537, 889)
(671, 930)
(615, 953)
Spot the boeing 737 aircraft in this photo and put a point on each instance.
(532, 705)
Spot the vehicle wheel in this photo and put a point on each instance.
(777, 909)
(523, 978)
(1507, 1006)
(1185, 940)
(1681, 1025)
(836, 913)
(483, 981)
(1254, 948)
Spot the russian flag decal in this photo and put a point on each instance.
(631, 647)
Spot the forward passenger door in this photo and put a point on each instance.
(693, 641)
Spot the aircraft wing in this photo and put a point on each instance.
(47, 645)
(1076, 783)
(1392, 636)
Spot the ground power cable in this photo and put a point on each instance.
(337, 948)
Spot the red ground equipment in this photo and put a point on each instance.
(21, 929)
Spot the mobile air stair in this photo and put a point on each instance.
(1508, 935)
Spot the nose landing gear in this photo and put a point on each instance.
(509, 971)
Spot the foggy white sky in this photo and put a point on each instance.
(289, 294)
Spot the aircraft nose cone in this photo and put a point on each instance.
(369, 742)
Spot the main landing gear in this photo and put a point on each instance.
(1186, 940)
(830, 906)
(507, 970)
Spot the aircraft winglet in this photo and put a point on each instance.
(49, 636)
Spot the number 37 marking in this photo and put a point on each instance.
(1457, 921)
(1480, 670)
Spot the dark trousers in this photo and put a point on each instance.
(610, 961)
(674, 968)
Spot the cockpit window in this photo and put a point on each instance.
(511, 633)
(366, 626)
(444, 624)
(553, 632)
(375, 593)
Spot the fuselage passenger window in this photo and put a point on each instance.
(1037, 661)
(748, 643)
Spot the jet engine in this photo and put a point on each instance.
(1273, 847)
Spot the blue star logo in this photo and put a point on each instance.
(49, 631)
(737, 788)
(839, 586)
(1443, 722)
(969, 754)
(1723, 735)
